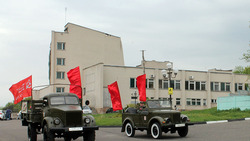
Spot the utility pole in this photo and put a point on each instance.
(143, 61)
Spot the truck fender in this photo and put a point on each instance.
(155, 119)
(92, 123)
(128, 119)
(48, 121)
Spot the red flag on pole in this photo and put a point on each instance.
(22, 89)
(115, 96)
(75, 81)
(141, 85)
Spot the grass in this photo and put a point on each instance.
(115, 119)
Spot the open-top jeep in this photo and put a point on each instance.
(57, 115)
(156, 117)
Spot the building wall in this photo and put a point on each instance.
(83, 47)
(123, 74)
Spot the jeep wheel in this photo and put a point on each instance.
(32, 136)
(183, 131)
(129, 130)
(156, 130)
(89, 135)
(47, 135)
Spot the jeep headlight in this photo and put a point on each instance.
(87, 120)
(57, 121)
(167, 120)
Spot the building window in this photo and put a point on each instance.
(204, 102)
(193, 101)
(238, 86)
(177, 84)
(213, 101)
(195, 85)
(203, 85)
(132, 83)
(227, 87)
(150, 83)
(60, 46)
(215, 86)
(191, 85)
(59, 89)
(60, 75)
(60, 61)
(198, 85)
(222, 86)
(165, 84)
(160, 84)
(188, 100)
(178, 101)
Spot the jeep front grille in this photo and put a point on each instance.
(176, 118)
(73, 119)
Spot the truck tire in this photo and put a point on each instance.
(129, 130)
(32, 136)
(183, 131)
(47, 135)
(67, 138)
(89, 135)
(156, 131)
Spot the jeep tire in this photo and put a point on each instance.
(47, 135)
(156, 131)
(32, 136)
(183, 131)
(129, 130)
(89, 135)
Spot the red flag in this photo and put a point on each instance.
(75, 81)
(141, 85)
(115, 96)
(22, 89)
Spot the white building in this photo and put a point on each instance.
(100, 57)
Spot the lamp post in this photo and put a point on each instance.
(168, 74)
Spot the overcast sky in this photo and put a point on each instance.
(193, 34)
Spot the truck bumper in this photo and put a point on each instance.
(73, 129)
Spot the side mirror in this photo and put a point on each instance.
(87, 102)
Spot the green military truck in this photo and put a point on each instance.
(156, 116)
(57, 116)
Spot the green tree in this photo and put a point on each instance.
(242, 70)
(13, 107)
(246, 56)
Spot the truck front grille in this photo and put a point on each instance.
(73, 119)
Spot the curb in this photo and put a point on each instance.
(193, 123)
(220, 121)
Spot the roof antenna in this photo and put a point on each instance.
(65, 15)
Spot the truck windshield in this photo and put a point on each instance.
(158, 104)
(62, 100)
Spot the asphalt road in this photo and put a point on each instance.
(232, 131)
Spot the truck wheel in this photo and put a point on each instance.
(32, 136)
(67, 139)
(47, 135)
(183, 131)
(156, 130)
(129, 130)
(89, 135)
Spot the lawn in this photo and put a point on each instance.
(115, 119)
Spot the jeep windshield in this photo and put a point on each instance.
(158, 104)
(64, 100)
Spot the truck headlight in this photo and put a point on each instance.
(87, 120)
(57, 121)
(184, 118)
